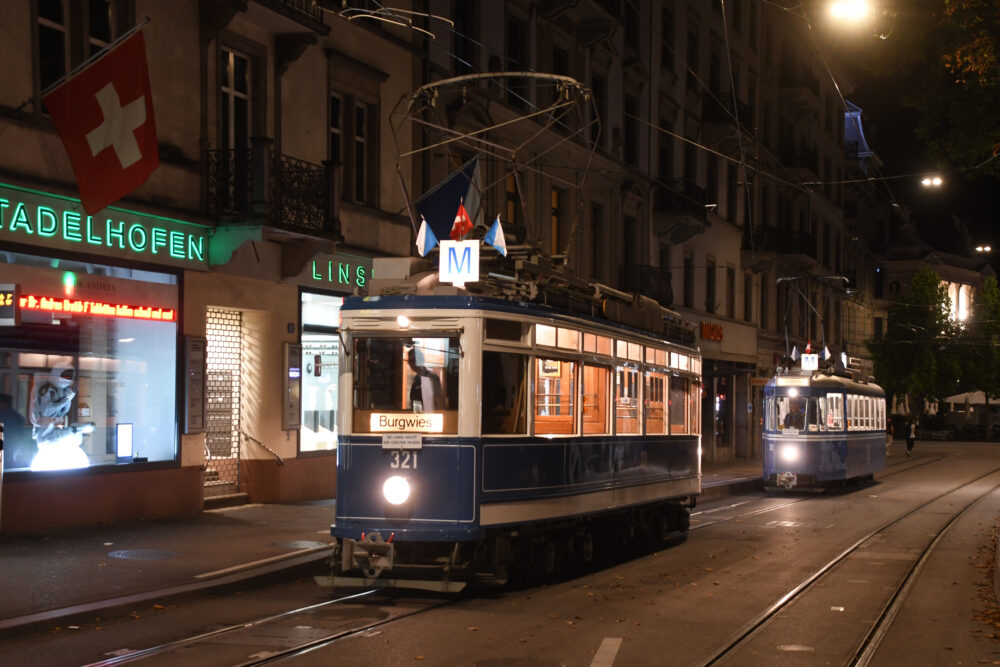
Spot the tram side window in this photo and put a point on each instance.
(791, 413)
(816, 414)
(679, 412)
(881, 413)
(596, 383)
(555, 396)
(505, 384)
(834, 412)
(868, 413)
(694, 407)
(850, 413)
(656, 402)
(627, 401)
(769, 413)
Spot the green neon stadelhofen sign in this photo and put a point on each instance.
(53, 221)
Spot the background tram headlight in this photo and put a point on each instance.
(396, 490)
(789, 453)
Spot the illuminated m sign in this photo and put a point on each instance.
(459, 262)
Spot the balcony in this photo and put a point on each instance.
(720, 121)
(651, 281)
(800, 159)
(679, 209)
(257, 185)
(306, 13)
(792, 247)
(798, 91)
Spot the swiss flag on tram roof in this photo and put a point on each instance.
(462, 224)
(104, 115)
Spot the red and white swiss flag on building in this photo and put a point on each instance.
(462, 224)
(104, 115)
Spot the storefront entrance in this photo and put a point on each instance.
(224, 331)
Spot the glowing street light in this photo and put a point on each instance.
(850, 10)
(932, 181)
(983, 248)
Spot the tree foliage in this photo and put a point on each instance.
(918, 354)
(948, 49)
(980, 351)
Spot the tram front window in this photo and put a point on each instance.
(791, 413)
(394, 377)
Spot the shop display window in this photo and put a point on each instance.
(321, 370)
(95, 349)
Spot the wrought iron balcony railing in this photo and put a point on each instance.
(648, 280)
(683, 195)
(285, 192)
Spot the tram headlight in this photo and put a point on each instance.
(789, 453)
(396, 490)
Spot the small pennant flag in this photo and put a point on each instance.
(462, 225)
(495, 238)
(425, 238)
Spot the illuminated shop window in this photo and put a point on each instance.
(96, 349)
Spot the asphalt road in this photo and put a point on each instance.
(676, 606)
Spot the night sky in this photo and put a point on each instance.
(953, 218)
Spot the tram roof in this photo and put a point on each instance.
(822, 380)
(674, 332)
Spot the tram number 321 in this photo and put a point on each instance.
(399, 459)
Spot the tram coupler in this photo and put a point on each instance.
(371, 554)
(786, 479)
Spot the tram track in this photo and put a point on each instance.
(261, 633)
(867, 646)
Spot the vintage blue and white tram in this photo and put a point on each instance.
(822, 429)
(479, 434)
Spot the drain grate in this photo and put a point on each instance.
(143, 554)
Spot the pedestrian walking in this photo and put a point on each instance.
(911, 437)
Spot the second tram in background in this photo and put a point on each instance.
(822, 428)
(482, 433)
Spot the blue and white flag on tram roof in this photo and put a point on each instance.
(425, 238)
(495, 238)
(461, 187)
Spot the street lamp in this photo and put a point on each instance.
(850, 10)
(983, 248)
(932, 181)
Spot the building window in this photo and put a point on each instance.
(70, 32)
(710, 285)
(360, 152)
(764, 303)
(90, 390)
(321, 366)
(732, 188)
(517, 61)
(336, 129)
(465, 42)
(596, 222)
(235, 94)
(712, 188)
(667, 39)
(598, 87)
(688, 281)
(692, 61)
(513, 205)
(747, 297)
(631, 130)
(556, 219)
(730, 292)
(665, 152)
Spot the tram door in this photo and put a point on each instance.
(757, 417)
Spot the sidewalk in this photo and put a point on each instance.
(56, 577)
